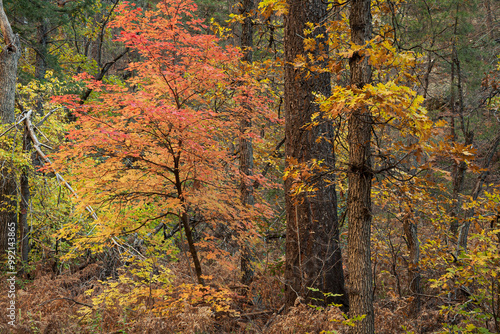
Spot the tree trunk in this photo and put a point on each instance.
(246, 148)
(192, 247)
(24, 204)
(9, 57)
(464, 230)
(185, 220)
(360, 282)
(41, 59)
(41, 52)
(313, 254)
(412, 242)
(459, 168)
(489, 19)
(40, 71)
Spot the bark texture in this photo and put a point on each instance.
(411, 234)
(359, 206)
(313, 254)
(245, 144)
(9, 57)
(24, 204)
(459, 168)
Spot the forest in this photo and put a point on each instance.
(250, 166)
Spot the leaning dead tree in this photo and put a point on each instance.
(37, 146)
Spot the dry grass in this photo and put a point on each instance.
(56, 304)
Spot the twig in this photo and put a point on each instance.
(66, 298)
(121, 246)
(120, 330)
(156, 230)
(268, 165)
(13, 125)
(46, 116)
(47, 146)
(274, 317)
(253, 314)
(101, 75)
(239, 286)
(44, 136)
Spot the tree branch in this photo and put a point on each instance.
(37, 146)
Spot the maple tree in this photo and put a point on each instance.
(157, 147)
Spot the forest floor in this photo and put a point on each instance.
(66, 303)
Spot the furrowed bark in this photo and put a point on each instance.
(9, 58)
(245, 144)
(313, 254)
(359, 205)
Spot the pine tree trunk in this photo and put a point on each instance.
(313, 254)
(359, 206)
(9, 57)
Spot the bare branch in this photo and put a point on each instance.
(13, 125)
(65, 298)
(37, 146)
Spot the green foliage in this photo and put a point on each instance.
(350, 322)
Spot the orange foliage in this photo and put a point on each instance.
(161, 144)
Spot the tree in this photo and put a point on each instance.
(245, 143)
(360, 174)
(9, 57)
(458, 39)
(156, 148)
(313, 254)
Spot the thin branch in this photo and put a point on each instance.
(46, 116)
(36, 146)
(101, 75)
(13, 126)
(66, 298)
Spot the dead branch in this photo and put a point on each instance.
(13, 125)
(66, 298)
(274, 317)
(37, 146)
(46, 116)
